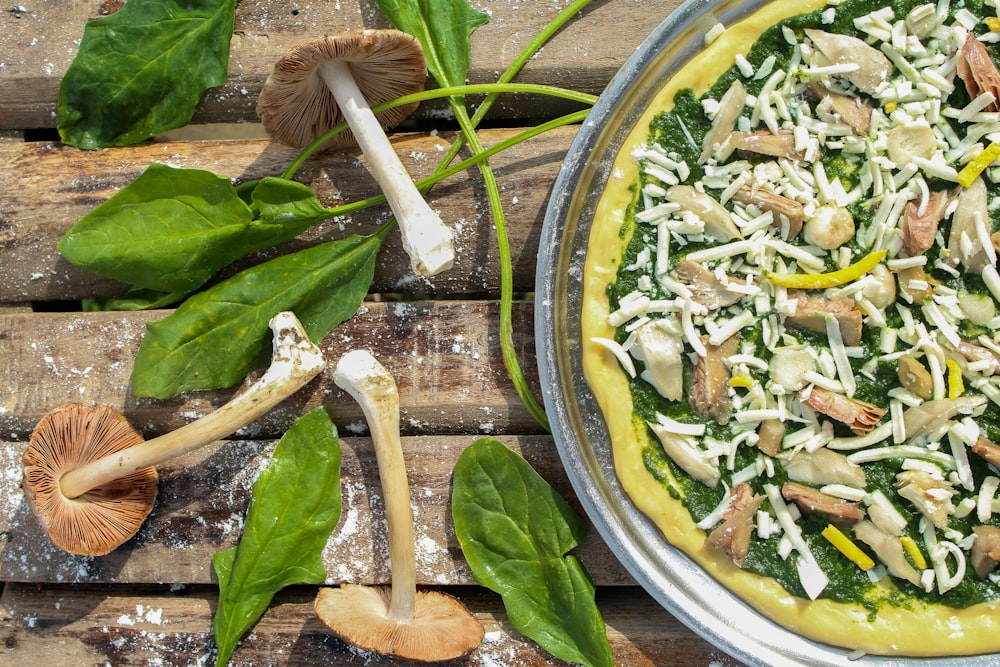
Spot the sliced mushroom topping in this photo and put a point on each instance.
(813, 501)
(709, 394)
(785, 210)
(730, 108)
(733, 535)
(888, 549)
(985, 550)
(683, 451)
(916, 284)
(853, 111)
(930, 495)
(977, 308)
(987, 450)
(911, 140)
(928, 416)
(824, 466)
(915, 377)
(880, 288)
(978, 72)
(660, 346)
(769, 436)
(857, 415)
(971, 216)
(787, 368)
(974, 352)
(706, 288)
(873, 68)
(765, 142)
(829, 227)
(811, 312)
(718, 221)
(920, 227)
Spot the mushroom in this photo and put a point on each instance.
(872, 66)
(787, 213)
(888, 549)
(813, 501)
(428, 626)
(706, 288)
(89, 476)
(733, 535)
(858, 416)
(320, 82)
(709, 390)
(718, 221)
(824, 466)
(811, 312)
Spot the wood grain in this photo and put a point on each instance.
(151, 601)
(445, 356)
(42, 37)
(203, 498)
(48, 187)
(80, 625)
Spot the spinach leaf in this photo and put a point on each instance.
(443, 28)
(294, 507)
(137, 299)
(171, 229)
(143, 70)
(514, 530)
(216, 337)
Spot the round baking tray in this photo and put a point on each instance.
(578, 428)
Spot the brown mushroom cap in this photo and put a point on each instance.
(296, 106)
(103, 518)
(441, 628)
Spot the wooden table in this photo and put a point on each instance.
(152, 600)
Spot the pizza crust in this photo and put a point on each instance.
(919, 630)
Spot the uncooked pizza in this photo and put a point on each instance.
(791, 319)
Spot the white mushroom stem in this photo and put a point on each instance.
(426, 239)
(295, 360)
(363, 377)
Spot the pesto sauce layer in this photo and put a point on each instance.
(676, 129)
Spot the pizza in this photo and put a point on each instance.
(790, 319)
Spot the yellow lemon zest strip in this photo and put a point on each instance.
(956, 387)
(914, 551)
(831, 279)
(993, 23)
(978, 164)
(741, 381)
(847, 547)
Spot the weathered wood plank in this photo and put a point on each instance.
(47, 188)
(87, 626)
(39, 39)
(445, 356)
(203, 498)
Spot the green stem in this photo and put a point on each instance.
(506, 271)
(437, 93)
(515, 67)
(458, 167)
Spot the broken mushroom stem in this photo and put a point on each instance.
(361, 375)
(427, 626)
(295, 360)
(426, 239)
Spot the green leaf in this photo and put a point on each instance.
(136, 299)
(515, 531)
(294, 507)
(171, 229)
(443, 28)
(142, 70)
(216, 337)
